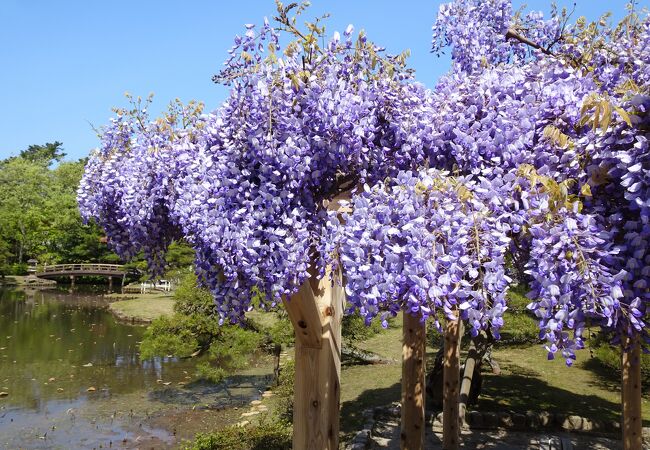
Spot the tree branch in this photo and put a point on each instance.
(512, 34)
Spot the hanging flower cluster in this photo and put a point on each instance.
(534, 146)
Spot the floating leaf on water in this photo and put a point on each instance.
(167, 383)
(159, 381)
(51, 379)
(91, 389)
(3, 394)
(59, 389)
(88, 365)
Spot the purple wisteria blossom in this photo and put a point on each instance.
(534, 146)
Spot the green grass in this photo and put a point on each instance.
(367, 386)
(144, 307)
(530, 382)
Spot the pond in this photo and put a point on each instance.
(71, 377)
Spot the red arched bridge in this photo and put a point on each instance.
(79, 270)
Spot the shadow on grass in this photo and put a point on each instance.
(522, 391)
(607, 377)
(352, 411)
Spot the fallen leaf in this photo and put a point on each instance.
(88, 365)
(91, 389)
(3, 394)
(51, 379)
(167, 383)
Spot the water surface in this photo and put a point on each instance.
(74, 379)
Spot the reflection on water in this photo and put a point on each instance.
(73, 379)
(55, 346)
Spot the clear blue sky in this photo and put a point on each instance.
(65, 63)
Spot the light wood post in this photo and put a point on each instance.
(316, 312)
(413, 383)
(631, 393)
(451, 385)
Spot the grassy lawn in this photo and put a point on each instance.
(529, 382)
(142, 307)
(368, 386)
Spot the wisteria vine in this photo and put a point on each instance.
(533, 148)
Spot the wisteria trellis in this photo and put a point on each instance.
(533, 149)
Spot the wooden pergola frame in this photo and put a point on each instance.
(316, 313)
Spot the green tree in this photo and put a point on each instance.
(68, 238)
(39, 216)
(45, 154)
(24, 189)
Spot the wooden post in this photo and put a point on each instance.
(316, 312)
(631, 393)
(413, 387)
(451, 384)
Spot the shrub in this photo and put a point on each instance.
(609, 357)
(354, 329)
(520, 326)
(267, 435)
(17, 269)
(194, 330)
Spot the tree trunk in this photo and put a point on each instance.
(471, 386)
(316, 312)
(413, 365)
(451, 375)
(631, 393)
(21, 245)
(353, 355)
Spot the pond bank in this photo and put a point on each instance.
(141, 308)
(73, 378)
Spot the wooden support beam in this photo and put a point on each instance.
(413, 379)
(316, 312)
(451, 385)
(631, 393)
(305, 315)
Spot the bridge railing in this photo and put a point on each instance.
(86, 267)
